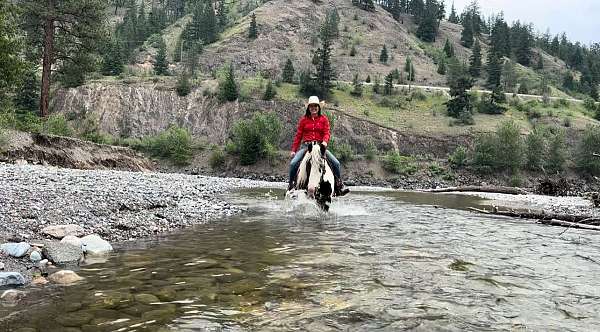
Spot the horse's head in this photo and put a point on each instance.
(316, 174)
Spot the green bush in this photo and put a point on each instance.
(418, 95)
(370, 151)
(183, 85)
(561, 103)
(174, 144)
(251, 138)
(57, 124)
(510, 146)
(589, 104)
(397, 164)
(216, 159)
(29, 122)
(458, 158)
(557, 151)
(436, 169)
(536, 146)
(484, 153)
(3, 139)
(343, 152)
(588, 146)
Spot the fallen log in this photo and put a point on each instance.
(485, 189)
(553, 219)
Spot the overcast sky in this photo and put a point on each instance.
(580, 19)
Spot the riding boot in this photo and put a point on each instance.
(340, 188)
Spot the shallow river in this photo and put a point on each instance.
(380, 261)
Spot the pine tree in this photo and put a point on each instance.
(376, 85)
(388, 86)
(370, 59)
(368, 79)
(460, 82)
(357, 87)
(383, 57)
(540, 62)
(442, 67)
(270, 91)
(325, 73)
(509, 76)
(253, 31)
(428, 22)
(407, 64)
(288, 72)
(178, 50)
(112, 60)
(228, 89)
(207, 25)
(494, 70)
(28, 98)
(161, 66)
(453, 18)
(475, 60)
(448, 49)
(222, 15)
(412, 73)
(466, 37)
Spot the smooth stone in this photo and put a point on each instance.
(1, 266)
(74, 319)
(72, 240)
(12, 296)
(11, 278)
(16, 249)
(60, 231)
(39, 281)
(64, 277)
(93, 245)
(146, 298)
(62, 253)
(35, 256)
(43, 263)
(160, 315)
(166, 294)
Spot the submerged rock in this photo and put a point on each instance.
(64, 277)
(11, 278)
(12, 296)
(35, 256)
(94, 245)
(60, 231)
(16, 249)
(74, 319)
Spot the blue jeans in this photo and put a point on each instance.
(295, 163)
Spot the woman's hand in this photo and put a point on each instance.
(292, 154)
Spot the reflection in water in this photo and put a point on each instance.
(384, 261)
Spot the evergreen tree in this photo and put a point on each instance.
(475, 61)
(222, 15)
(522, 41)
(368, 79)
(207, 25)
(408, 64)
(11, 64)
(253, 31)
(73, 42)
(28, 98)
(353, 51)
(112, 60)
(412, 73)
(325, 73)
(416, 8)
(161, 66)
(494, 70)
(555, 46)
(383, 57)
(270, 91)
(228, 89)
(177, 54)
(460, 82)
(466, 37)
(364, 4)
(388, 84)
(568, 82)
(357, 87)
(288, 72)
(540, 62)
(428, 22)
(509, 76)
(377, 85)
(448, 49)
(441, 67)
(370, 59)
(500, 38)
(453, 18)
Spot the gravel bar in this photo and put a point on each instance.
(114, 204)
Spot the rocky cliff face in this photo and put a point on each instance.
(146, 109)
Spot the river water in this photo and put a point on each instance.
(380, 261)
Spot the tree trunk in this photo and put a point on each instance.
(47, 61)
(485, 189)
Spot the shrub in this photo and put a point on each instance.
(3, 139)
(458, 158)
(343, 152)
(436, 169)
(557, 151)
(484, 153)
(589, 104)
(57, 124)
(29, 122)
(250, 138)
(370, 151)
(561, 103)
(174, 144)
(397, 164)
(183, 85)
(216, 159)
(510, 146)
(486, 106)
(535, 149)
(270, 91)
(589, 144)
(418, 95)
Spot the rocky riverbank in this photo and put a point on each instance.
(112, 205)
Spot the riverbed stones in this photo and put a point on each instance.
(64, 277)
(72, 240)
(11, 279)
(94, 245)
(62, 253)
(15, 249)
(146, 298)
(74, 319)
(39, 281)
(12, 296)
(35, 256)
(60, 231)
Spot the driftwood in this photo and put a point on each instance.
(485, 189)
(554, 219)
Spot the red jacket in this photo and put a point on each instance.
(310, 129)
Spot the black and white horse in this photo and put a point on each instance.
(315, 176)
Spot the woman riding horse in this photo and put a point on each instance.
(314, 127)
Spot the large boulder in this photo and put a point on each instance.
(11, 279)
(60, 231)
(62, 253)
(16, 249)
(94, 245)
(73, 240)
(64, 277)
